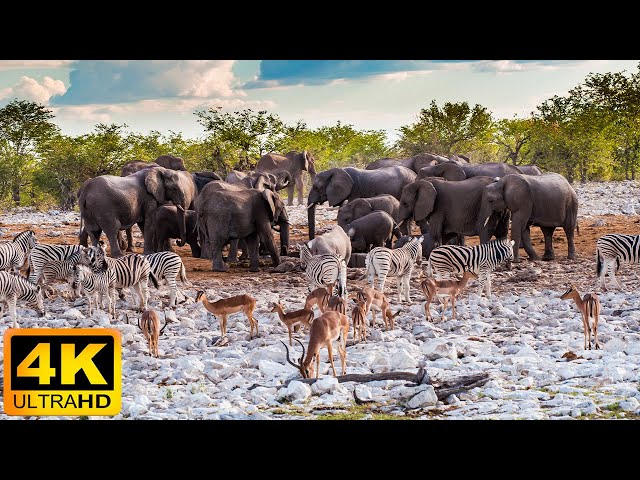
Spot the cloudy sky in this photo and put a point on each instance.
(369, 94)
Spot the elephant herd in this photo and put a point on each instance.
(447, 198)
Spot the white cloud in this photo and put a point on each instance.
(498, 66)
(30, 89)
(22, 64)
(198, 78)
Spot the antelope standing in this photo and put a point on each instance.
(149, 323)
(589, 307)
(225, 306)
(445, 289)
(293, 319)
(320, 297)
(326, 329)
(375, 300)
(359, 320)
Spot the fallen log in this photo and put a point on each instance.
(416, 378)
(617, 313)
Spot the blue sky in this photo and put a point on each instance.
(369, 94)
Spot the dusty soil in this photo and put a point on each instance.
(523, 278)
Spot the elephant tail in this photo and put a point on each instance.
(154, 280)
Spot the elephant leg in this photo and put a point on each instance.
(95, 236)
(112, 235)
(217, 264)
(149, 236)
(548, 243)
(266, 238)
(290, 191)
(526, 242)
(129, 239)
(233, 251)
(571, 249)
(84, 237)
(300, 187)
(252, 247)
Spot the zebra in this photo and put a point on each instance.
(16, 253)
(480, 259)
(612, 250)
(57, 270)
(132, 271)
(305, 254)
(168, 265)
(43, 253)
(399, 262)
(327, 269)
(96, 285)
(14, 287)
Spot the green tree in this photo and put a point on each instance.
(253, 133)
(23, 126)
(454, 128)
(512, 136)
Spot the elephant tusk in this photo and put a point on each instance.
(310, 205)
(179, 207)
(486, 221)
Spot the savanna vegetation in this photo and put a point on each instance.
(591, 133)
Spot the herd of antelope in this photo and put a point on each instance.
(91, 273)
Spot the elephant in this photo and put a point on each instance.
(374, 229)
(530, 169)
(260, 181)
(338, 185)
(333, 241)
(363, 206)
(166, 161)
(294, 163)
(231, 212)
(165, 219)
(441, 207)
(414, 163)
(547, 201)
(459, 171)
(110, 203)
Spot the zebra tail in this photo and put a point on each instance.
(578, 228)
(367, 265)
(429, 271)
(598, 262)
(183, 275)
(154, 280)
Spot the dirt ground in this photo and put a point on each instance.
(522, 278)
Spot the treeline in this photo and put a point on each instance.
(592, 133)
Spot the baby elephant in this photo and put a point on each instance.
(374, 229)
(165, 219)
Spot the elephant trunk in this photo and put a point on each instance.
(484, 224)
(311, 217)
(284, 236)
(182, 226)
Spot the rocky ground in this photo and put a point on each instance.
(525, 338)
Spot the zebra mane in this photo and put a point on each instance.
(20, 235)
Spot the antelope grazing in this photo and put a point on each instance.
(375, 300)
(337, 304)
(320, 297)
(326, 329)
(589, 307)
(445, 289)
(226, 306)
(293, 318)
(149, 323)
(359, 320)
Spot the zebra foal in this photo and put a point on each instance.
(96, 285)
(14, 288)
(14, 254)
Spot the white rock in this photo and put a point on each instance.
(296, 391)
(615, 345)
(403, 360)
(439, 348)
(74, 314)
(631, 404)
(528, 352)
(324, 385)
(270, 369)
(426, 397)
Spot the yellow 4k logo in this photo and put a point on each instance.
(62, 371)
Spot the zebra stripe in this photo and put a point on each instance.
(96, 285)
(15, 254)
(383, 262)
(305, 254)
(168, 265)
(327, 269)
(43, 253)
(480, 259)
(14, 287)
(57, 270)
(612, 250)
(131, 271)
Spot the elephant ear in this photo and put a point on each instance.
(268, 196)
(452, 172)
(425, 199)
(154, 182)
(339, 187)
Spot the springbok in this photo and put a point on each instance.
(445, 289)
(226, 306)
(589, 307)
(293, 319)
